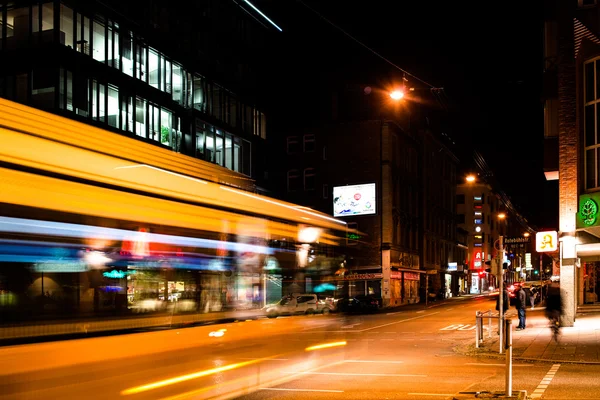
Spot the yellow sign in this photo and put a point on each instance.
(546, 241)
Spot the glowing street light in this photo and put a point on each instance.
(501, 215)
(470, 178)
(397, 94)
(526, 234)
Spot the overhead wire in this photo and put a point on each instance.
(366, 46)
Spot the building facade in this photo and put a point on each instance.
(570, 94)
(361, 151)
(481, 214)
(134, 70)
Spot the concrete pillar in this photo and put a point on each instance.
(568, 156)
(385, 282)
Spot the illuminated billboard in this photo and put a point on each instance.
(354, 200)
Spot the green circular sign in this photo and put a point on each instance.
(589, 212)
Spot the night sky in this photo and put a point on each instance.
(486, 56)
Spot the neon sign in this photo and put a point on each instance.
(115, 274)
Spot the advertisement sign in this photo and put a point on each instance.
(477, 259)
(354, 200)
(452, 266)
(546, 241)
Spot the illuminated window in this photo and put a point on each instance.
(591, 118)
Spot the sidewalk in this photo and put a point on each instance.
(577, 344)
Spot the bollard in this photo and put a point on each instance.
(508, 346)
(477, 329)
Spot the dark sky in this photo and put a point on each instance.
(486, 55)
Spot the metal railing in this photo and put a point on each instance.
(479, 316)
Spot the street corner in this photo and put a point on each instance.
(485, 349)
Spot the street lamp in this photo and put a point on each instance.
(470, 178)
(526, 234)
(397, 94)
(501, 215)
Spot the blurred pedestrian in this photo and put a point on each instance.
(521, 305)
(505, 301)
(533, 294)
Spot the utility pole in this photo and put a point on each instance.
(500, 275)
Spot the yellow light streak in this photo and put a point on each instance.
(326, 346)
(183, 378)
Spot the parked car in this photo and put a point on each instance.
(358, 304)
(297, 303)
(327, 304)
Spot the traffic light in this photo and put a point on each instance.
(488, 265)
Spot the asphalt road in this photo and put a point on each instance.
(407, 354)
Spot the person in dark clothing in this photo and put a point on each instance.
(505, 301)
(521, 305)
(554, 307)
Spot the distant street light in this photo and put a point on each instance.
(501, 215)
(397, 94)
(470, 178)
(526, 234)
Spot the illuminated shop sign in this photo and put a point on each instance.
(354, 200)
(452, 266)
(116, 274)
(587, 215)
(546, 241)
(60, 267)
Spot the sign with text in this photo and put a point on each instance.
(477, 259)
(354, 200)
(452, 266)
(516, 240)
(546, 241)
(360, 277)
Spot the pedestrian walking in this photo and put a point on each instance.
(521, 305)
(533, 294)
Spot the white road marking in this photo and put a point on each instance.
(374, 361)
(430, 394)
(498, 365)
(467, 328)
(303, 390)
(539, 391)
(350, 374)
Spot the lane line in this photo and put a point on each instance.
(497, 365)
(359, 374)
(398, 322)
(374, 361)
(303, 390)
(541, 388)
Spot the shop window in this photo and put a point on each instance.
(293, 180)
(178, 80)
(66, 26)
(309, 143)
(98, 101)
(165, 80)
(310, 177)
